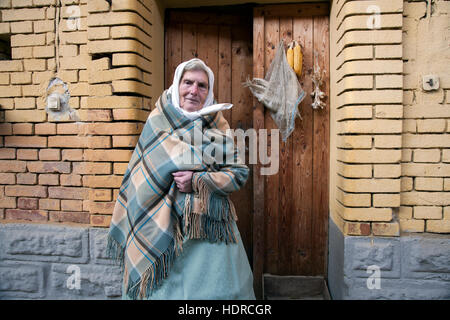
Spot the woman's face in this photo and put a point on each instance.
(193, 90)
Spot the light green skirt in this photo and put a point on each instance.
(208, 271)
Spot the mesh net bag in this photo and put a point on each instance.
(280, 92)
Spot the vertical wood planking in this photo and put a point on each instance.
(189, 41)
(208, 48)
(321, 154)
(271, 33)
(241, 118)
(224, 73)
(258, 180)
(285, 210)
(302, 157)
(173, 54)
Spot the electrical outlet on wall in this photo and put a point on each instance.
(430, 82)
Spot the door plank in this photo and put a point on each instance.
(302, 158)
(208, 48)
(173, 56)
(271, 33)
(321, 154)
(224, 73)
(285, 209)
(189, 40)
(258, 180)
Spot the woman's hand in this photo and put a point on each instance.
(183, 179)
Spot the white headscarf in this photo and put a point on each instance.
(208, 106)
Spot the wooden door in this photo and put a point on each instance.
(222, 38)
(291, 207)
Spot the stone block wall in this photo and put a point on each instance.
(56, 262)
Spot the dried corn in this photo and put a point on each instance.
(290, 55)
(298, 59)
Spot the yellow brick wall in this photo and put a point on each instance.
(389, 156)
(61, 170)
(425, 182)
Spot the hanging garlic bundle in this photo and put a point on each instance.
(317, 80)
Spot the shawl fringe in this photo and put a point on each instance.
(214, 222)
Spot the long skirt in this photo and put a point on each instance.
(208, 271)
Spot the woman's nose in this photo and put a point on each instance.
(194, 89)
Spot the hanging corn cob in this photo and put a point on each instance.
(290, 55)
(298, 59)
(294, 57)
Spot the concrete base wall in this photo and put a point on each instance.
(56, 262)
(414, 266)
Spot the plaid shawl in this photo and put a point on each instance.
(151, 216)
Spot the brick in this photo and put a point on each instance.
(425, 198)
(387, 170)
(388, 141)
(79, 62)
(76, 37)
(21, 40)
(71, 205)
(27, 203)
(100, 90)
(27, 154)
(21, 78)
(91, 168)
(386, 229)
(22, 27)
(29, 215)
(7, 202)
(48, 167)
(70, 180)
(72, 154)
(446, 155)
(126, 86)
(101, 207)
(388, 51)
(114, 102)
(369, 156)
(438, 226)
(353, 199)
(108, 155)
(405, 212)
(68, 51)
(50, 154)
(7, 153)
(10, 91)
(130, 114)
(44, 26)
(12, 166)
(389, 111)
(25, 103)
(44, 52)
(49, 204)
(68, 193)
(99, 33)
(26, 142)
(79, 142)
(10, 65)
(7, 178)
(386, 200)
(427, 155)
(369, 185)
(116, 45)
(429, 184)
(28, 116)
(4, 78)
(26, 178)
(125, 128)
(406, 184)
(98, 6)
(425, 169)
(412, 225)
(76, 217)
(26, 191)
(365, 214)
(102, 181)
(45, 129)
(22, 129)
(120, 168)
(100, 221)
(100, 194)
(370, 126)
(425, 111)
(356, 228)
(431, 125)
(427, 212)
(21, 53)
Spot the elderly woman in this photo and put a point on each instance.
(173, 227)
